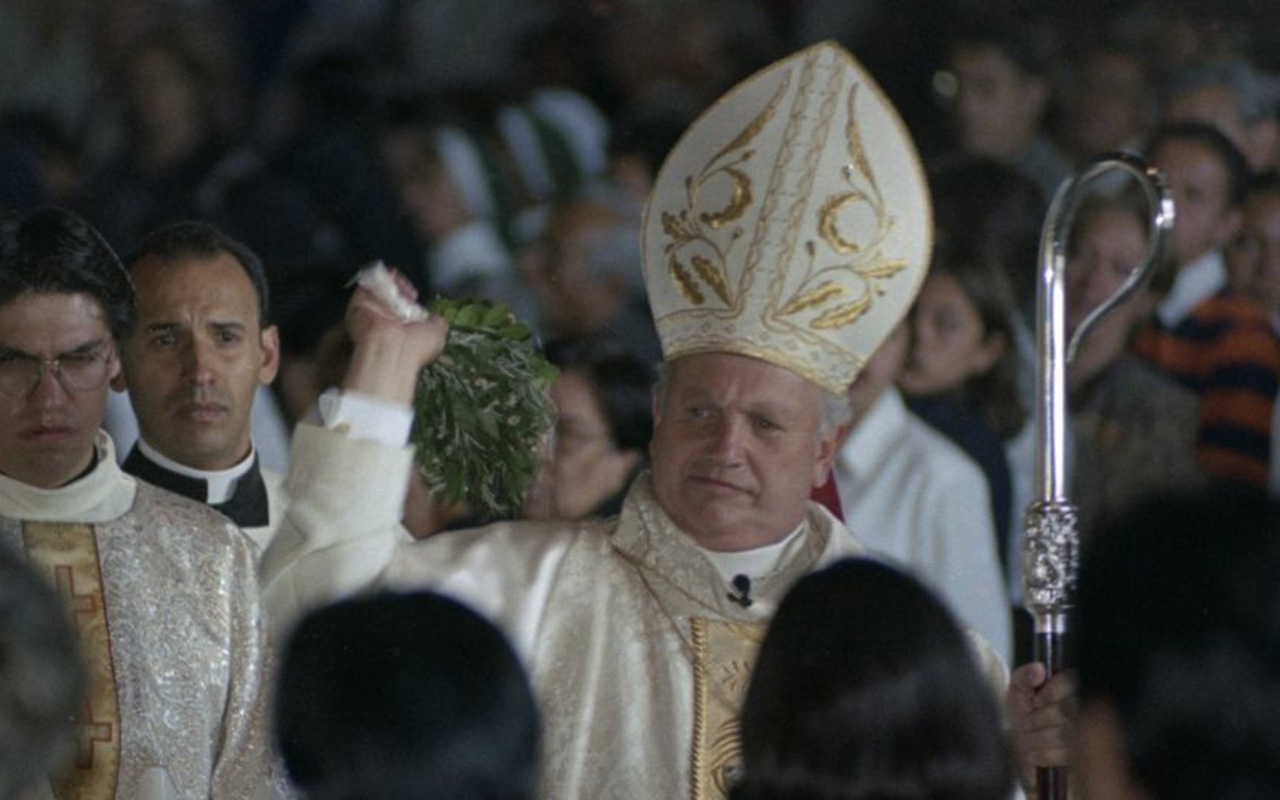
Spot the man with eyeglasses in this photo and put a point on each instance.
(162, 590)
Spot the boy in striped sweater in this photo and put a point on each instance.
(1213, 340)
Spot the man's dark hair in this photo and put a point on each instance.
(866, 687)
(54, 251)
(193, 239)
(40, 677)
(405, 696)
(1213, 140)
(1179, 632)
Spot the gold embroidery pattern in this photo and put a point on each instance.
(867, 264)
(710, 254)
(812, 151)
(69, 554)
(723, 653)
(697, 770)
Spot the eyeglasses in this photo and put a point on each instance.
(77, 372)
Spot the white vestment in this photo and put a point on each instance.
(638, 656)
(165, 598)
(912, 496)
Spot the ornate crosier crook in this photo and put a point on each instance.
(1050, 554)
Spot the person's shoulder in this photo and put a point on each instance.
(199, 529)
(943, 457)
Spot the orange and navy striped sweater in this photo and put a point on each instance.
(1226, 352)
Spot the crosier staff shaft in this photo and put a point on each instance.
(1051, 542)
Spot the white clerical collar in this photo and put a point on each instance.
(101, 495)
(1196, 282)
(754, 563)
(221, 483)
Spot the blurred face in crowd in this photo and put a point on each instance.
(435, 204)
(588, 466)
(1106, 251)
(1109, 105)
(1254, 257)
(571, 299)
(1200, 185)
(50, 416)
(736, 449)
(998, 106)
(196, 358)
(951, 343)
(166, 104)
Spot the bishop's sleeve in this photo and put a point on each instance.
(342, 526)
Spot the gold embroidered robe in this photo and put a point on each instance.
(638, 657)
(177, 711)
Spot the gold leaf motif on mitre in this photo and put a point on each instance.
(842, 315)
(825, 291)
(828, 224)
(674, 225)
(684, 281)
(757, 124)
(853, 139)
(737, 204)
(713, 277)
(884, 269)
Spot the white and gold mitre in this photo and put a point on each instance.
(790, 223)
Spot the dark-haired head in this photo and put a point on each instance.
(981, 369)
(622, 381)
(604, 403)
(866, 687)
(1211, 140)
(189, 239)
(1179, 646)
(988, 208)
(54, 251)
(405, 697)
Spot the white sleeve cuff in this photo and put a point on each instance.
(365, 418)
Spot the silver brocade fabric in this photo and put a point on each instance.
(189, 651)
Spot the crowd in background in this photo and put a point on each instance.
(505, 149)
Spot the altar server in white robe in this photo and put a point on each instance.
(787, 235)
(912, 496)
(162, 590)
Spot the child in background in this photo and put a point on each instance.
(963, 369)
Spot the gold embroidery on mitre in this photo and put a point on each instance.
(804, 239)
(69, 555)
(723, 656)
(869, 266)
(686, 228)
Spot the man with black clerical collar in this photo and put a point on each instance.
(163, 592)
(202, 347)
